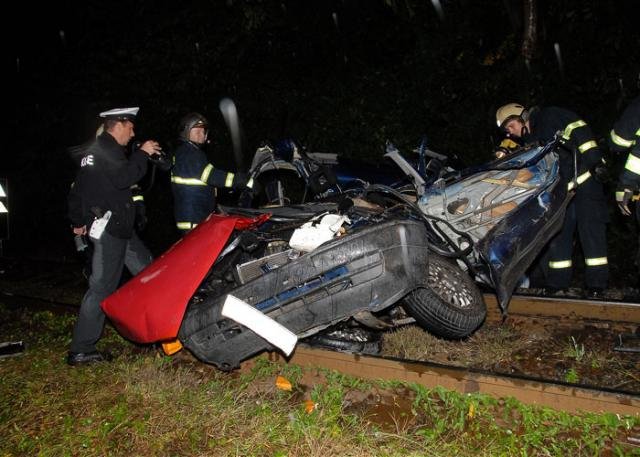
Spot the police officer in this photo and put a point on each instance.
(588, 209)
(193, 178)
(626, 136)
(102, 187)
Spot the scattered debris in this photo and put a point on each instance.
(11, 349)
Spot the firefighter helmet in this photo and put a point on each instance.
(191, 121)
(508, 112)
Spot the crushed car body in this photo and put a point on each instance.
(358, 255)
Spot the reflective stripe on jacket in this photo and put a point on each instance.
(193, 182)
(625, 135)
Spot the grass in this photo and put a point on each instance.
(144, 403)
(575, 351)
(486, 347)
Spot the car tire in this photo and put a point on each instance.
(347, 340)
(451, 306)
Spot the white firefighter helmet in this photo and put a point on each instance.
(509, 111)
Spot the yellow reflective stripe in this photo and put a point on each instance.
(187, 181)
(138, 198)
(617, 139)
(582, 178)
(560, 264)
(250, 183)
(206, 172)
(185, 225)
(229, 181)
(588, 145)
(596, 261)
(620, 196)
(571, 127)
(633, 164)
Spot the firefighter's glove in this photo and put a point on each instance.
(623, 197)
(240, 180)
(601, 173)
(506, 147)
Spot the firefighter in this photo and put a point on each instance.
(193, 178)
(624, 136)
(587, 212)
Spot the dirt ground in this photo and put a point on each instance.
(586, 353)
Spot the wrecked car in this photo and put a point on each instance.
(259, 279)
(289, 174)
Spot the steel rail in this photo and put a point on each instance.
(535, 306)
(556, 395)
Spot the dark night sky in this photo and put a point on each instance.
(339, 76)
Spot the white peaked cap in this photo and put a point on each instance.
(121, 113)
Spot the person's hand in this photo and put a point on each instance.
(623, 197)
(80, 230)
(506, 146)
(600, 172)
(161, 160)
(151, 147)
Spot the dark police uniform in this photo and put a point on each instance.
(103, 183)
(193, 182)
(588, 209)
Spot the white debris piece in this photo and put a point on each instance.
(261, 324)
(313, 233)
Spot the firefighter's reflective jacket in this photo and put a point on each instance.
(588, 211)
(193, 182)
(626, 136)
(545, 123)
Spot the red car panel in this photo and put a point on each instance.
(150, 306)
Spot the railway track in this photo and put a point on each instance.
(557, 395)
(532, 306)
(560, 396)
(534, 391)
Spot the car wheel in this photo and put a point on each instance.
(451, 306)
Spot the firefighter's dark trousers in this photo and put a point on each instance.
(592, 233)
(110, 255)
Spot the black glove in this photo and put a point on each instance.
(623, 197)
(240, 180)
(161, 160)
(600, 172)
